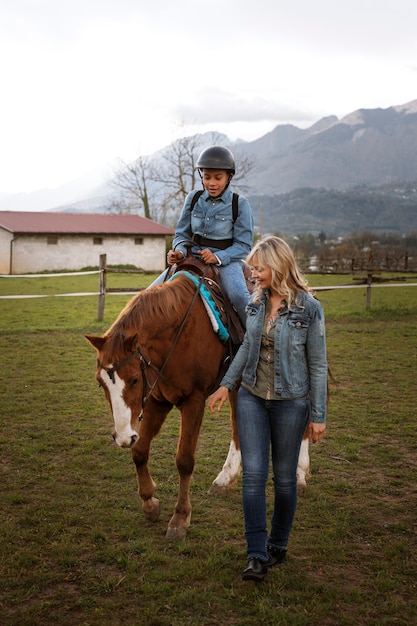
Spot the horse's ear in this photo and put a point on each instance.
(131, 342)
(96, 342)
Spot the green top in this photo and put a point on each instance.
(264, 386)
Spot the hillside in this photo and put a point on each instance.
(386, 208)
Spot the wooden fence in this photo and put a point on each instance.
(368, 279)
(102, 287)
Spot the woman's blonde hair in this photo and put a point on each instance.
(287, 280)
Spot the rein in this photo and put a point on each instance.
(145, 363)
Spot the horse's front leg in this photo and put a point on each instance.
(191, 418)
(153, 418)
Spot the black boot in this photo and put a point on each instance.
(256, 570)
(276, 555)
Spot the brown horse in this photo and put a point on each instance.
(162, 352)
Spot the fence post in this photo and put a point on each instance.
(368, 290)
(102, 286)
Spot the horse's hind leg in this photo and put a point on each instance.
(153, 418)
(303, 468)
(191, 418)
(231, 469)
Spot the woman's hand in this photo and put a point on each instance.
(316, 431)
(220, 396)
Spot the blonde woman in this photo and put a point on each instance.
(282, 370)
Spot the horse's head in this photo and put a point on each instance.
(119, 374)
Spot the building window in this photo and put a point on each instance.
(98, 241)
(52, 240)
(138, 241)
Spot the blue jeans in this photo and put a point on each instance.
(234, 283)
(264, 425)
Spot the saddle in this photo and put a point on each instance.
(211, 276)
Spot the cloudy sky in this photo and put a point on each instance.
(84, 82)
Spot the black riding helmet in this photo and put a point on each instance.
(216, 158)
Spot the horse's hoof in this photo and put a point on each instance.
(301, 488)
(151, 509)
(176, 534)
(217, 489)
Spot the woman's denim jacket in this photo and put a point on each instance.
(300, 353)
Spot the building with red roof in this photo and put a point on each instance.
(36, 242)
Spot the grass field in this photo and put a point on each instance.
(75, 548)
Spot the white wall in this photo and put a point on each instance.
(32, 253)
(5, 239)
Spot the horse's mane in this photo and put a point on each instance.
(161, 303)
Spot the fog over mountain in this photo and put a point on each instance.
(91, 185)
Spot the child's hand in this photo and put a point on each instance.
(174, 256)
(208, 256)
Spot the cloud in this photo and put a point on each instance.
(60, 22)
(212, 105)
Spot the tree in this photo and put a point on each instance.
(175, 175)
(131, 180)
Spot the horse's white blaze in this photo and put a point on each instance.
(231, 468)
(122, 414)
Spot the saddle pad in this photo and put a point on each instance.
(210, 305)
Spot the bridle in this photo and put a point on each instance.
(115, 368)
(145, 364)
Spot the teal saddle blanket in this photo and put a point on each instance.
(209, 303)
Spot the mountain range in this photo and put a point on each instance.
(366, 147)
(339, 175)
